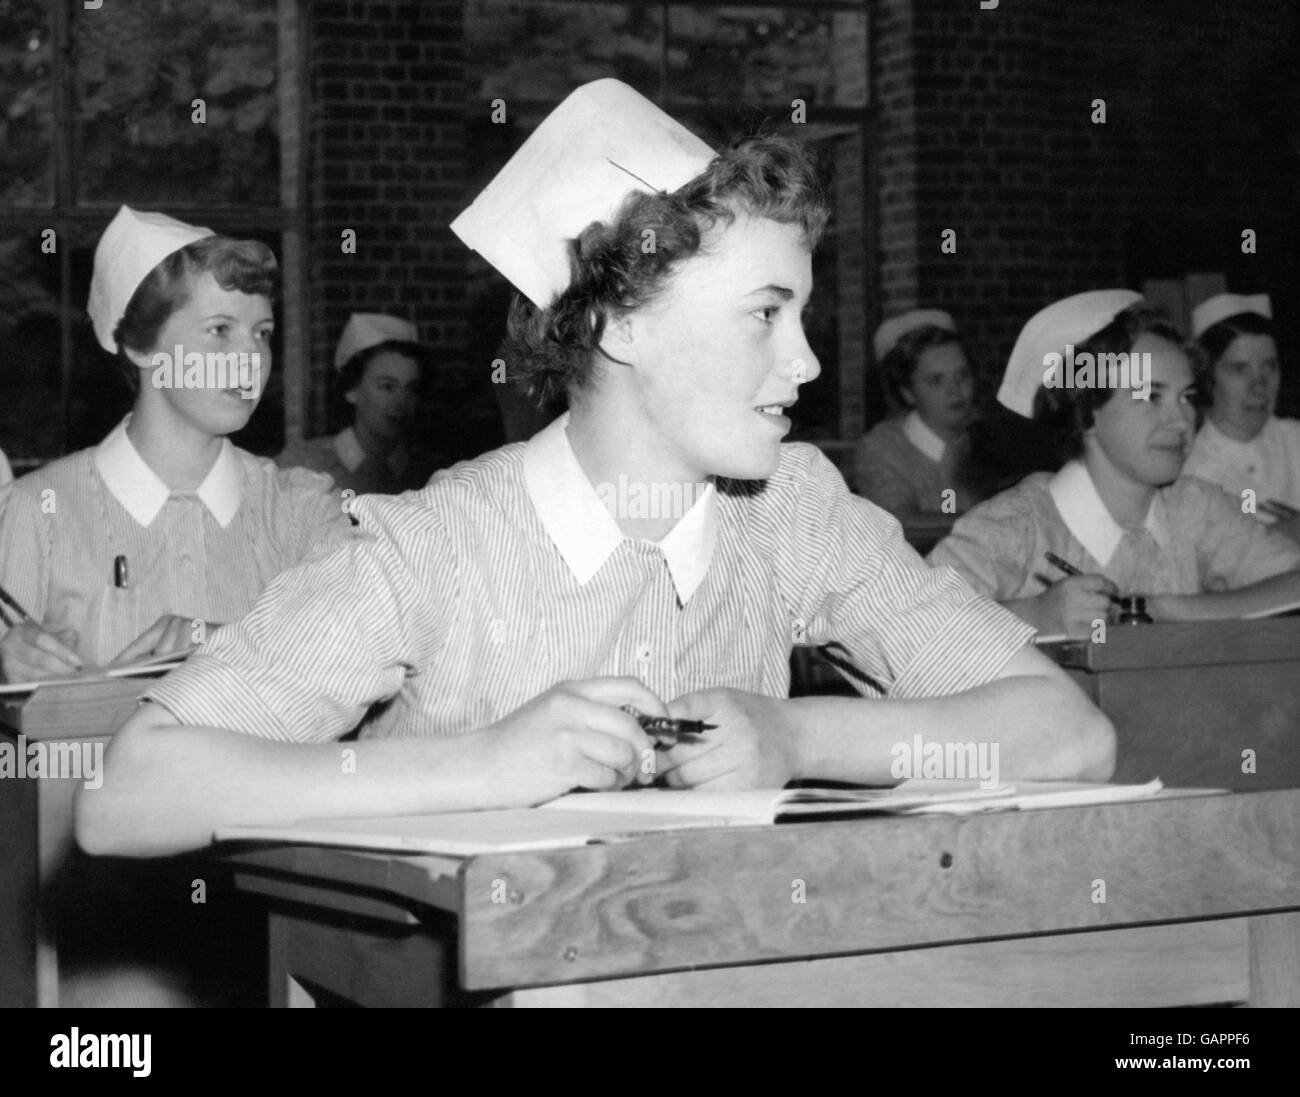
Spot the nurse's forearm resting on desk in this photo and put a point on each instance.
(1261, 597)
(169, 787)
(1043, 725)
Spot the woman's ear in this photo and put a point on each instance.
(905, 391)
(619, 339)
(351, 396)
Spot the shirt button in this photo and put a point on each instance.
(187, 561)
(643, 652)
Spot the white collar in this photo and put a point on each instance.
(916, 431)
(582, 527)
(351, 453)
(1235, 446)
(137, 487)
(1083, 511)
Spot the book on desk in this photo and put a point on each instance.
(583, 818)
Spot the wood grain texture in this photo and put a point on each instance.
(1182, 964)
(727, 897)
(1275, 960)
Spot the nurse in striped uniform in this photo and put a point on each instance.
(1118, 510)
(657, 546)
(142, 543)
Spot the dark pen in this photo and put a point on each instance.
(10, 601)
(1070, 569)
(665, 730)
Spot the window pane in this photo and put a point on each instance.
(25, 103)
(140, 66)
(542, 51)
(767, 55)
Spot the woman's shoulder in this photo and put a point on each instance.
(885, 436)
(310, 453)
(61, 474)
(277, 477)
(1030, 496)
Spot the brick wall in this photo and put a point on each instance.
(985, 128)
(386, 141)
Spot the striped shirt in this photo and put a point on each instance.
(506, 575)
(1195, 539)
(205, 554)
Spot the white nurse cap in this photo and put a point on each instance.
(1222, 305)
(368, 329)
(599, 145)
(892, 330)
(1070, 321)
(133, 244)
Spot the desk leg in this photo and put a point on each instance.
(285, 991)
(360, 961)
(1275, 959)
(25, 976)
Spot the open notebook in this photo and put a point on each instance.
(583, 818)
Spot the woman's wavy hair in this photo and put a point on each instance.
(248, 266)
(1214, 342)
(1068, 413)
(612, 272)
(900, 361)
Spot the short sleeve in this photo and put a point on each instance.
(24, 548)
(914, 630)
(1232, 549)
(330, 637)
(878, 474)
(316, 508)
(992, 546)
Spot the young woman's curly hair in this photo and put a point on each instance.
(624, 264)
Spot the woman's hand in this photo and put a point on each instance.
(28, 653)
(165, 636)
(575, 735)
(1072, 605)
(755, 743)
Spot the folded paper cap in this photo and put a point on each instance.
(599, 145)
(133, 244)
(368, 329)
(1223, 305)
(891, 331)
(1071, 321)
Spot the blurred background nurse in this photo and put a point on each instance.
(378, 367)
(1243, 445)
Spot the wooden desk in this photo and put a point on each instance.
(62, 910)
(1187, 699)
(1202, 904)
(36, 828)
